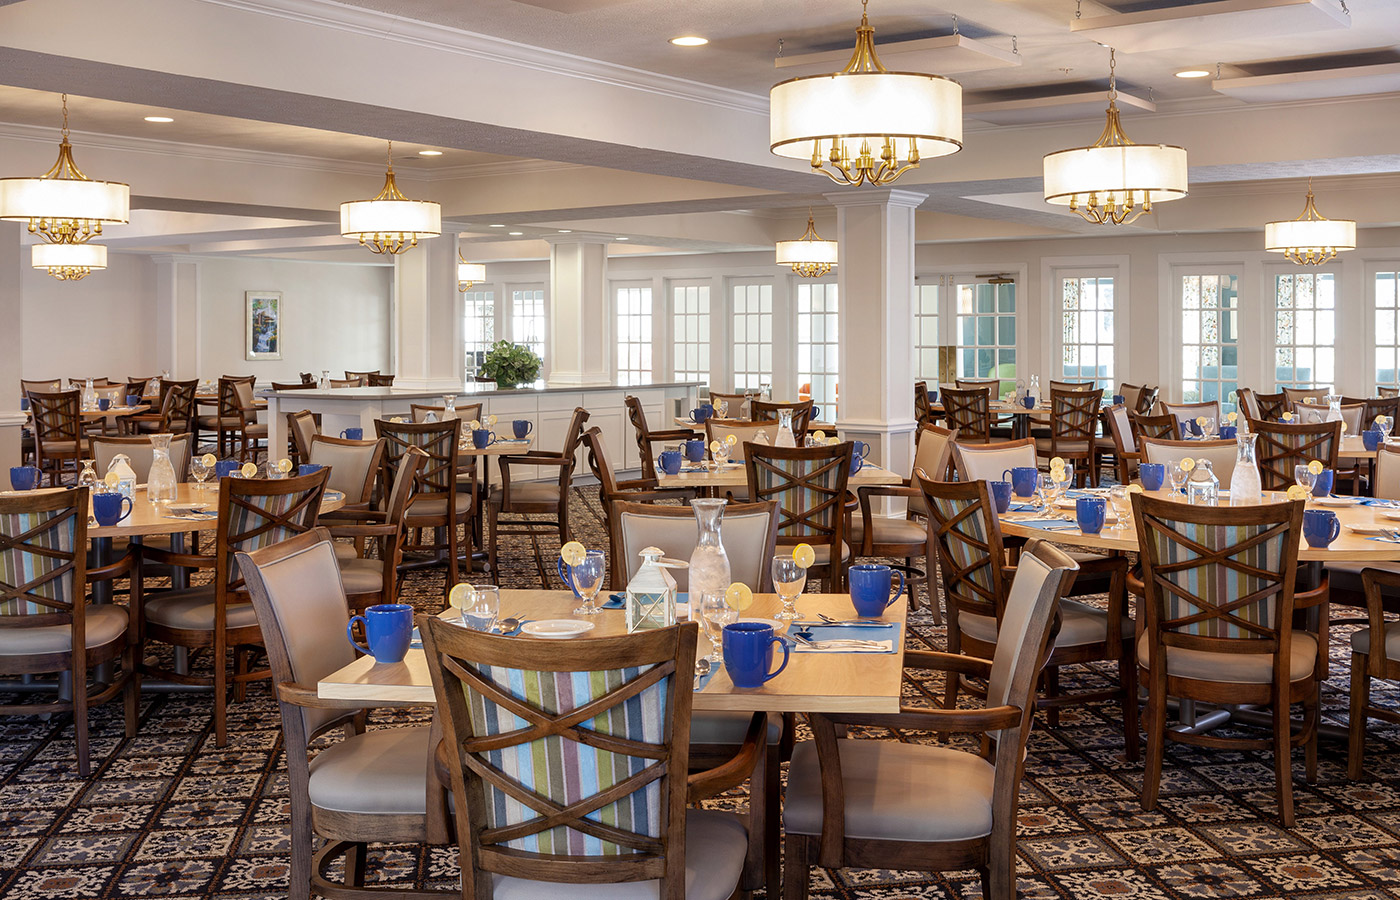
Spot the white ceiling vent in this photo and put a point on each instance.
(1055, 108)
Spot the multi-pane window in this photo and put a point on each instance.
(1086, 328)
(987, 331)
(926, 332)
(817, 349)
(479, 327)
(690, 332)
(1387, 335)
(634, 335)
(753, 336)
(1210, 332)
(1305, 329)
(527, 318)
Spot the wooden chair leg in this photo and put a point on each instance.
(1311, 712)
(1051, 680)
(1283, 757)
(1128, 681)
(78, 679)
(1360, 700)
(796, 866)
(1156, 745)
(220, 663)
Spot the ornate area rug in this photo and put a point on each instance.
(167, 815)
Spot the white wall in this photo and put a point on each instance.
(101, 325)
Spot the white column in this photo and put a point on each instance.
(579, 342)
(875, 279)
(428, 352)
(177, 318)
(13, 257)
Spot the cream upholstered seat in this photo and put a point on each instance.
(748, 530)
(353, 464)
(370, 786)
(193, 610)
(889, 531)
(989, 462)
(1235, 668)
(1361, 640)
(1080, 624)
(1220, 453)
(945, 808)
(102, 624)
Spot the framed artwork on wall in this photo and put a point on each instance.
(264, 328)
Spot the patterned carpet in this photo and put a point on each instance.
(167, 815)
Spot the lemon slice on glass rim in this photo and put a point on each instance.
(804, 555)
(1316, 467)
(249, 470)
(1288, 417)
(715, 446)
(1135, 489)
(460, 596)
(490, 420)
(819, 435)
(738, 596)
(573, 553)
(1201, 420)
(1187, 464)
(284, 465)
(112, 479)
(731, 439)
(1297, 492)
(1231, 417)
(474, 424)
(209, 460)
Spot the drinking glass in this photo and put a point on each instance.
(790, 579)
(1122, 506)
(588, 579)
(722, 409)
(1210, 429)
(721, 455)
(200, 471)
(1045, 485)
(1062, 483)
(716, 614)
(483, 607)
(1178, 478)
(1385, 424)
(1302, 475)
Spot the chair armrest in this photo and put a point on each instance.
(675, 434)
(656, 494)
(711, 782)
(1318, 596)
(938, 661)
(129, 562)
(522, 460)
(354, 531)
(941, 720)
(171, 558)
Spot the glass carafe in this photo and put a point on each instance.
(1245, 487)
(449, 407)
(160, 483)
(325, 383)
(785, 437)
(709, 564)
(88, 476)
(89, 395)
(1202, 487)
(1334, 408)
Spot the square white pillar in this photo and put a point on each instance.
(579, 343)
(13, 257)
(428, 350)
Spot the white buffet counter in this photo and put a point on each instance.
(549, 408)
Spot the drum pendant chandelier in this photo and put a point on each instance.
(809, 255)
(468, 273)
(389, 222)
(68, 262)
(1114, 180)
(1311, 239)
(865, 124)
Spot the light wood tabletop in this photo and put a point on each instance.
(147, 518)
(1351, 546)
(501, 447)
(829, 427)
(812, 682)
(734, 475)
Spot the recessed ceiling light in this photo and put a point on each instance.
(516, 233)
(689, 40)
(624, 239)
(498, 226)
(159, 119)
(1193, 73)
(566, 231)
(430, 153)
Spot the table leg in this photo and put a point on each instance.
(179, 575)
(1020, 426)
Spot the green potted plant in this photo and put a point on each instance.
(511, 365)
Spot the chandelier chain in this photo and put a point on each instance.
(1344, 8)
(780, 48)
(1112, 75)
(1077, 10)
(1014, 49)
(955, 27)
(65, 118)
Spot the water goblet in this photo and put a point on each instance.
(483, 607)
(588, 579)
(1062, 479)
(1305, 476)
(789, 578)
(716, 614)
(1385, 424)
(1122, 505)
(1045, 487)
(200, 471)
(1178, 477)
(1210, 429)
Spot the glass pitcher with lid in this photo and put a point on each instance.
(161, 486)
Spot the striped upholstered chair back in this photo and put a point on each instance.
(259, 512)
(1218, 579)
(1281, 446)
(809, 485)
(568, 763)
(43, 551)
(971, 555)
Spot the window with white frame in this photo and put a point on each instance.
(478, 327)
(690, 332)
(817, 349)
(1210, 332)
(527, 318)
(986, 327)
(1305, 329)
(633, 335)
(926, 301)
(1386, 287)
(1086, 329)
(752, 335)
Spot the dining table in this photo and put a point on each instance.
(710, 474)
(1021, 417)
(683, 422)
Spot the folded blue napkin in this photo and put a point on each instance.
(1390, 504)
(887, 631)
(1383, 540)
(1048, 524)
(1023, 507)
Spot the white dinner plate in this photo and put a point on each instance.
(778, 626)
(1393, 516)
(1368, 529)
(557, 629)
(1337, 501)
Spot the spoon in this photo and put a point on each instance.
(507, 625)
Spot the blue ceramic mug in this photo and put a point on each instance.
(1028, 402)
(1320, 527)
(700, 413)
(860, 448)
(814, 414)
(24, 478)
(24, 404)
(1089, 513)
(1323, 488)
(1119, 400)
(748, 653)
(1153, 475)
(671, 462)
(1023, 479)
(1001, 494)
(104, 403)
(483, 438)
(388, 631)
(695, 450)
(1372, 439)
(1228, 432)
(225, 468)
(308, 468)
(353, 434)
(873, 589)
(522, 428)
(110, 508)
(133, 400)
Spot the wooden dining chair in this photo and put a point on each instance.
(1272, 406)
(41, 385)
(355, 467)
(361, 377)
(891, 804)
(1219, 628)
(923, 406)
(249, 431)
(1193, 411)
(367, 579)
(376, 380)
(1121, 444)
(58, 432)
(46, 624)
(1385, 391)
(437, 505)
(345, 382)
(611, 490)
(217, 617)
(1374, 406)
(516, 510)
(646, 437)
(1147, 400)
(764, 410)
(175, 412)
(969, 412)
(809, 484)
(291, 385)
(1130, 393)
(736, 406)
(1375, 653)
(1074, 419)
(1165, 427)
(1303, 395)
(369, 786)
(301, 429)
(140, 453)
(1281, 446)
(227, 419)
(613, 714)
